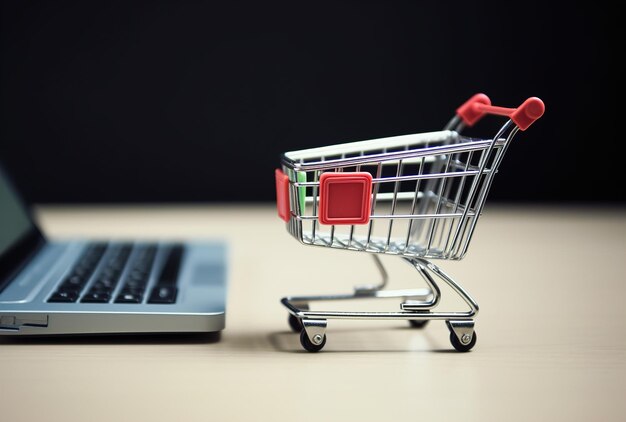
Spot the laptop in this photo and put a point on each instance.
(50, 287)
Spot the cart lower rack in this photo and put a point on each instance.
(416, 196)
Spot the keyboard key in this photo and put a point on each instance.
(64, 296)
(165, 290)
(135, 284)
(169, 272)
(104, 283)
(96, 297)
(73, 282)
(163, 294)
(128, 298)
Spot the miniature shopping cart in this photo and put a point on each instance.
(415, 196)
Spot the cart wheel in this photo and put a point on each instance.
(308, 345)
(456, 343)
(418, 323)
(295, 323)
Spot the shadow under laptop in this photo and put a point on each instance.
(116, 339)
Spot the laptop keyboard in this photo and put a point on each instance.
(106, 280)
(122, 275)
(71, 287)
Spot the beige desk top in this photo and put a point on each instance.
(551, 331)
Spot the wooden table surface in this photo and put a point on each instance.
(551, 331)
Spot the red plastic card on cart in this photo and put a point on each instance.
(345, 198)
(282, 194)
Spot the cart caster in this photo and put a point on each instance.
(462, 335)
(456, 343)
(418, 323)
(295, 323)
(308, 345)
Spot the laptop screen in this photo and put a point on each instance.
(15, 223)
(19, 237)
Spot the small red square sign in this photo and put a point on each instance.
(345, 198)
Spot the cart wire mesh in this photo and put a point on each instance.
(428, 191)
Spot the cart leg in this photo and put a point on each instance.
(453, 284)
(462, 335)
(435, 293)
(368, 289)
(313, 335)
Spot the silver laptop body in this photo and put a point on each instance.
(99, 287)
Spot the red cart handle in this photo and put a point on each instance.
(523, 116)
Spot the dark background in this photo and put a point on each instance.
(196, 100)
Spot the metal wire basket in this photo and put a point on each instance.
(417, 196)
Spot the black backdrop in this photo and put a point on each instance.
(195, 101)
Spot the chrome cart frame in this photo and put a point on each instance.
(417, 196)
